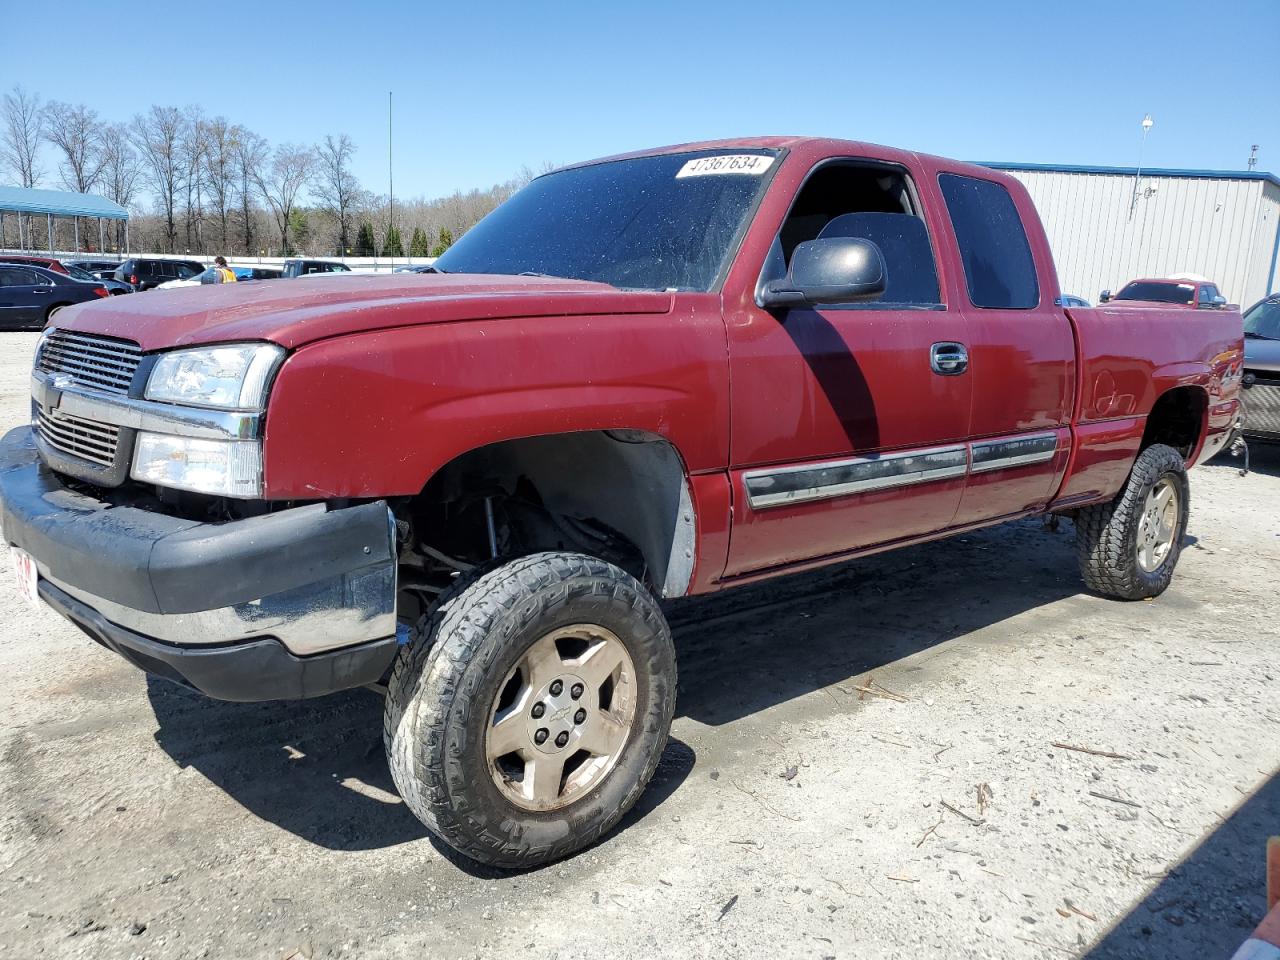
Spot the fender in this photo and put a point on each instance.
(378, 413)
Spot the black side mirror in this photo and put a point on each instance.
(828, 270)
(1104, 296)
(1214, 303)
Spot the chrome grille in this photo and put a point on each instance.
(1262, 405)
(100, 363)
(86, 439)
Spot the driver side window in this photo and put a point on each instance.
(871, 203)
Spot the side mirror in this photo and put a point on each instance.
(828, 270)
(1104, 296)
(1219, 302)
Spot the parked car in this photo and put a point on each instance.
(257, 273)
(114, 287)
(147, 273)
(1173, 291)
(1261, 394)
(30, 296)
(102, 269)
(658, 375)
(48, 263)
(302, 268)
(206, 276)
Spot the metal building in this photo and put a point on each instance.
(1110, 225)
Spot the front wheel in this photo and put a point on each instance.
(1128, 548)
(531, 707)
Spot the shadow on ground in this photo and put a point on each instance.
(1210, 903)
(316, 768)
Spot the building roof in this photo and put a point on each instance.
(1133, 171)
(60, 203)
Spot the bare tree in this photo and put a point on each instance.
(192, 149)
(119, 168)
(220, 170)
(249, 156)
(281, 182)
(23, 131)
(77, 132)
(157, 136)
(336, 184)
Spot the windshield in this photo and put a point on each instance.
(79, 274)
(663, 222)
(1263, 320)
(1158, 292)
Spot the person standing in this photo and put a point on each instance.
(225, 274)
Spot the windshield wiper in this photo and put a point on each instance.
(1250, 335)
(535, 273)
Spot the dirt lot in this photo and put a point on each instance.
(792, 814)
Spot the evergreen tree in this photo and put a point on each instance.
(446, 241)
(419, 246)
(392, 246)
(365, 246)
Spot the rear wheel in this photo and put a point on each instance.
(1128, 548)
(531, 707)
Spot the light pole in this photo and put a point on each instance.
(1147, 124)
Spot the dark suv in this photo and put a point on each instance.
(302, 268)
(143, 273)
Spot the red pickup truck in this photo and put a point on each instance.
(645, 377)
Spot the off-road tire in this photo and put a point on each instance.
(444, 682)
(1107, 533)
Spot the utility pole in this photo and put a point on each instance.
(1147, 124)
(1253, 156)
(391, 185)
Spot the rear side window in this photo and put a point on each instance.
(998, 266)
(16, 277)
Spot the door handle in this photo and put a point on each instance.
(41, 289)
(948, 359)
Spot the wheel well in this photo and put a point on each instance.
(621, 495)
(1177, 420)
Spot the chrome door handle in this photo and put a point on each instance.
(947, 359)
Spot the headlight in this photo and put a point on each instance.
(229, 468)
(229, 378)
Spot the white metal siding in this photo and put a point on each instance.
(1221, 228)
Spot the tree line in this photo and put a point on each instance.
(199, 185)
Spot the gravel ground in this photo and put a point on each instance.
(792, 815)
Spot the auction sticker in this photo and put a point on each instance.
(751, 164)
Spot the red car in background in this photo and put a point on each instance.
(1169, 291)
(49, 263)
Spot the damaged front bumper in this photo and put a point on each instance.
(291, 604)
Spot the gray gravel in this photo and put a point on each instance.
(792, 814)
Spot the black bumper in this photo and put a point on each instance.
(257, 670)
(154, 564)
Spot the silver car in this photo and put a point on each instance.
(1261, 395)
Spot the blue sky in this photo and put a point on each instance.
(484, 88)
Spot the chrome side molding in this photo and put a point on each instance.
(1014, 452)
(838, 478)
(803, 483)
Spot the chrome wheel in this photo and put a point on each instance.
(1158, 526)
(562, 717)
